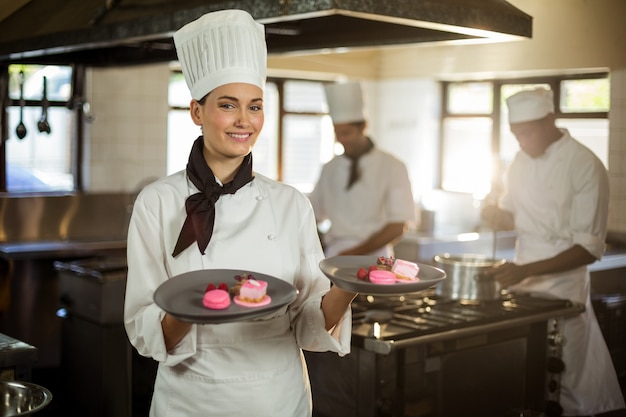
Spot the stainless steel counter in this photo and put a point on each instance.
(58, 249)
(610, 260)
(422, 248)
(16, 359)
(72, 217)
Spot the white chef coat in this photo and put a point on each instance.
(381, 195)
(255, 367)
(560, 199)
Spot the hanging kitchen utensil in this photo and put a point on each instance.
(42, 124)
(494, 241)
(20, 130)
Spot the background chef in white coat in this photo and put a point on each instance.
(219, 214)
(365, 193)
(556, 197)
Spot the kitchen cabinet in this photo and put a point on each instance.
(36, 231)
(32, 315)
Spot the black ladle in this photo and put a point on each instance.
(42, 124)
(20, 130)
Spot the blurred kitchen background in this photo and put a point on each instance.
(119, 119)
(438, 106)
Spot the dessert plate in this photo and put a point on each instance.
(341, 270)
(181, 296)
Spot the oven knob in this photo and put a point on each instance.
(553, 385)
(555, 338)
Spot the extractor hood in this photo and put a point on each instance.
(118, 32)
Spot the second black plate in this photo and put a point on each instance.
(341, 270)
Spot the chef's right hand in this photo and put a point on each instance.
(507, 274)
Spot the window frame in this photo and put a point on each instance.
(554, 81)
(75, 103)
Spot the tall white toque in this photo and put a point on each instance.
(219, 48)
(529, 105)
(345, 102)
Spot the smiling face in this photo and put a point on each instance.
(231, 117)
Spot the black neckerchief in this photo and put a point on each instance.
(200, 207)
(355, 172)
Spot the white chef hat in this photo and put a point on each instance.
(345, 102)
(528, 105)
(219, 48)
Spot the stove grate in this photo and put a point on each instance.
(401, 317)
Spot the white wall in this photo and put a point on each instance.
(404, 120)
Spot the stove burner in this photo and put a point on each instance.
(412, 315)
(377, 316)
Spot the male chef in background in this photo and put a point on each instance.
(365, 193)
(556, 197)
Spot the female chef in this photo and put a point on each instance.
(219, 214)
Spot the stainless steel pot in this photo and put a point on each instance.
(465, 280)
(22, 398)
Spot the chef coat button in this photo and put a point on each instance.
(259, 197)
(271, 237)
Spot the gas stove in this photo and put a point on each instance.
(420, 355)
(384, 323)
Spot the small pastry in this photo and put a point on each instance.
(382, 277)
(405, 270)
(216, 299)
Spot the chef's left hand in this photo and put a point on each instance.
(507, 274)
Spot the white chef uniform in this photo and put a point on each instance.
(253, 368)
(382, 195)
(560, 199)
(246, 368)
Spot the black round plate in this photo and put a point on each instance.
(341, 270)
(181, 296)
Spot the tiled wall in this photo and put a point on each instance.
(617, 151)
(127, 141)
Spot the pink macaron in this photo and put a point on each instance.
(216, 299)
(379, 276)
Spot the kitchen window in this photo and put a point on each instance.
(297, 137)
(477, 144)
(307, 139)
(39, 152)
